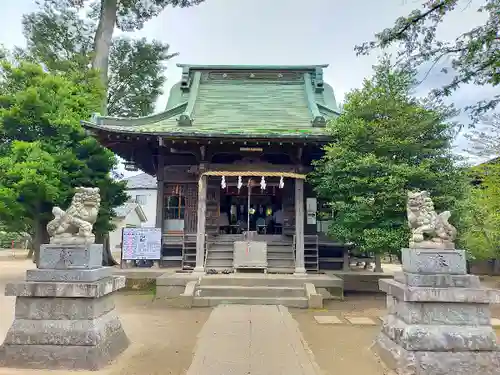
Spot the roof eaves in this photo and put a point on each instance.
(328, 109)
(218, 135)
(97, 121)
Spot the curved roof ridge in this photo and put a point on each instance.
(256, 67)
(97, 119)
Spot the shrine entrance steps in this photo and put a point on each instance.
(212, 291)
(304, 291)
(280, 254)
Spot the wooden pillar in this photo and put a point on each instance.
(160, 190)
(299, 227)
(201, 220)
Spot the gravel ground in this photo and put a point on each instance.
(163, 339)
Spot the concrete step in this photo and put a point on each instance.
(222, 263)
(281, 270)
(300, 302)
(220, 248)
(220, 255)
(280, 263)
(280, 249)
(252, 280)
(249, 291)
(280, 256)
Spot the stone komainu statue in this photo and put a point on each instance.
(74, 226)
(428, 229)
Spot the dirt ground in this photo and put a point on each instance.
(163, 339)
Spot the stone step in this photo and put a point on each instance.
(253, 280)
(300, 302)
(280, 256)
(219, 255)
(281, 270)
(249, 291)
(214, 263)
(280, 249)
(216, 249)
(280, 263)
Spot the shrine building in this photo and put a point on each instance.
(231, 153)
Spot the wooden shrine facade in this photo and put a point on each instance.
(223, 128)
(194, 177)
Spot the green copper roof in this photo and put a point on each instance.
(248, 101)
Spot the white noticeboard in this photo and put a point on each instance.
(311, 209)
(141, 243)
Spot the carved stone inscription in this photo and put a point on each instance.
(434, 261)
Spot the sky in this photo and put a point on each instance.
(286, 32)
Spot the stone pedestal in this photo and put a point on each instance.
(439, 318)
(65, 314)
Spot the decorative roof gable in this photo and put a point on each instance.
(250, 101)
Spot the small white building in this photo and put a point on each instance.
(141, 189)
(128, 215)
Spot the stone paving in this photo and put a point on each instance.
(252, 340)
(368, 321)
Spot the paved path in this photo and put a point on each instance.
(251, 340)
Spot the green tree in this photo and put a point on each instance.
(127, 15)
(31, 180)
(386, 143)
(62, 40)
(472, 57)
(481, 235)
(44, 152)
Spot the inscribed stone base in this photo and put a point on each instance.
(64, 344)
(431, 261)
(405, 362)
(439, 338)
(71, 275)
(407, 293)
(438, 280)
(34, 308)
(94, 289)
(458, 314)
(76, 357)
(65, 257)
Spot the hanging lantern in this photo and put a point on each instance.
(282, 183)
(223, 182)
(240, 182)
(263, 183)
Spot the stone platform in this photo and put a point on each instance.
(193, 290)
(439, 320)
(64, 313)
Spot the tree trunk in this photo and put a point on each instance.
(30, 249)
(378, 263)
(107, 257)
(40, 237)
(102, 42)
